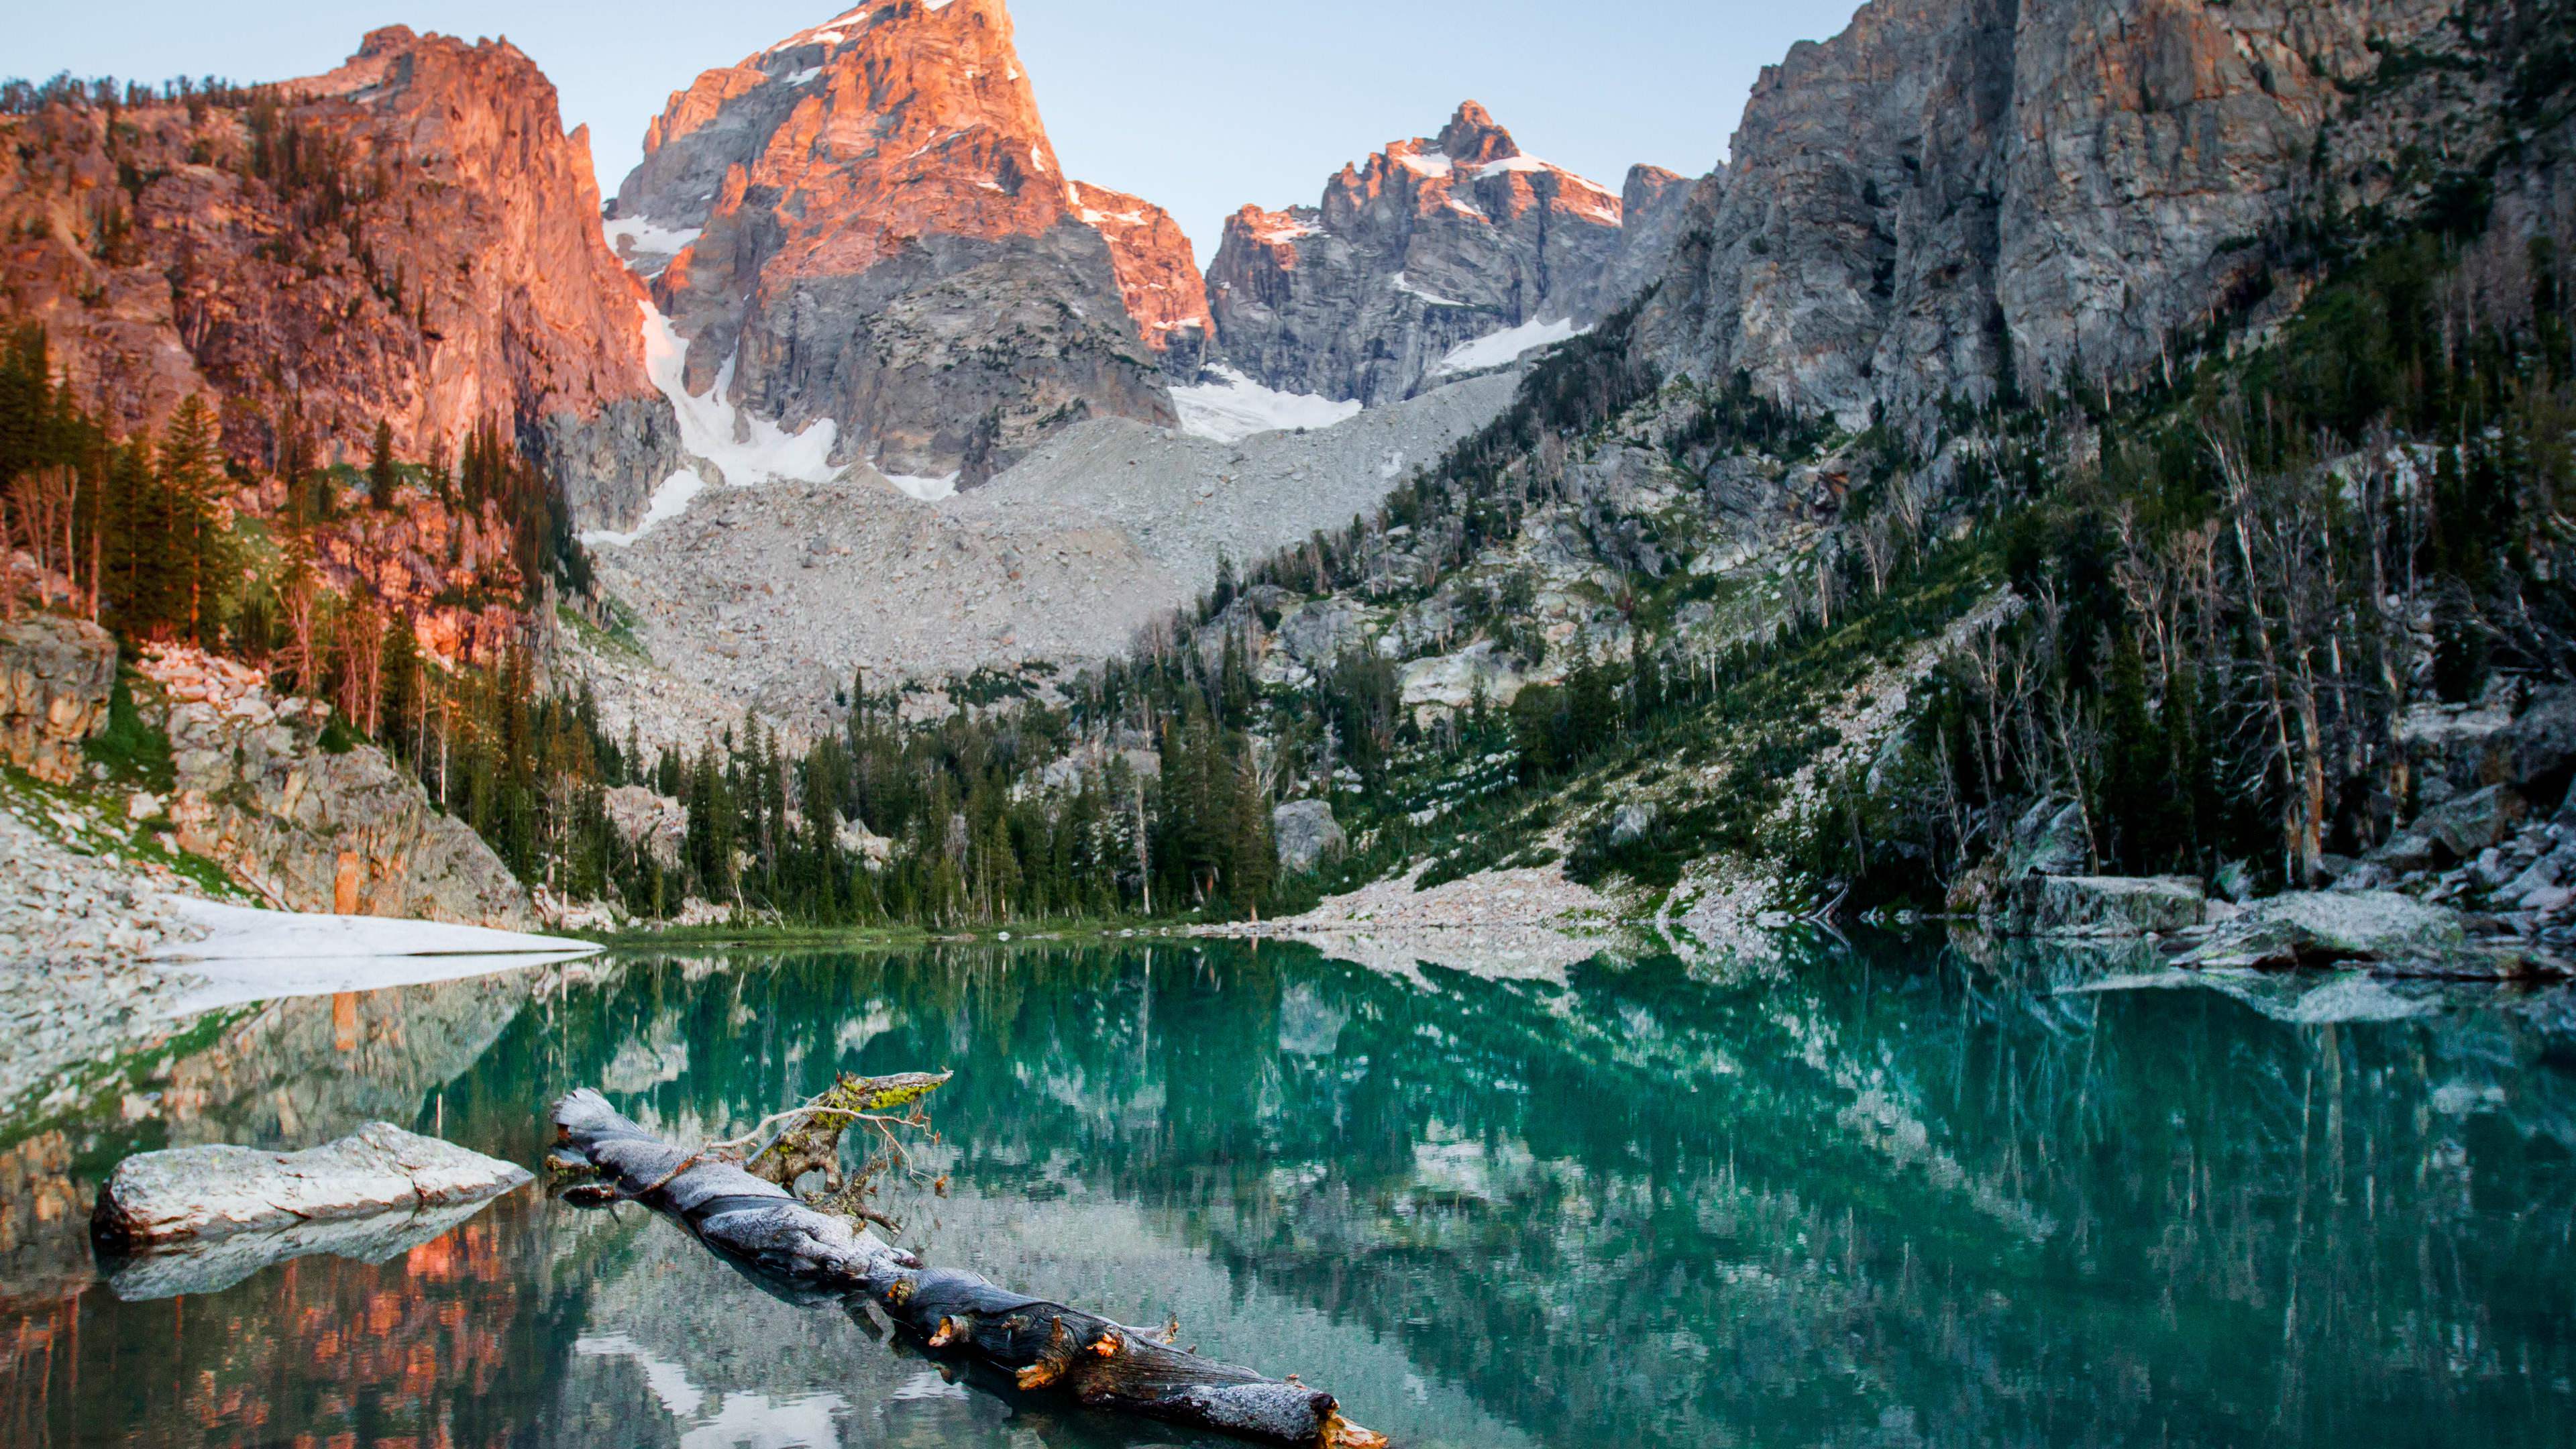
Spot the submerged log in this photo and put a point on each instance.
(1041, 1345)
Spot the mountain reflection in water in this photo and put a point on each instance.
(1885, 1196)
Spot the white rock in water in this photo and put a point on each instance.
(194, 1192)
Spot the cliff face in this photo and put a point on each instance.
(1947, 190)
(1654, 207)
(1422, 248)
(1158, 275)
(867, 223)
(412, 237)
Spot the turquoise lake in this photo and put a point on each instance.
(1891, 1194)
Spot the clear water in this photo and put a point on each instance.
(1876, 1198)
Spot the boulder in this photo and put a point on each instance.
(55, 678)
(2048, 840)
(2457, 746)
(2472, 822)
(156, 1198)
(2321, 928)
(1315, 634)
(657, 823)
(2543, 741)
(1307, 834)
(2106, 905)
(1449, 683)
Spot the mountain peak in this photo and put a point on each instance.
(830, 203)
(1472, 137)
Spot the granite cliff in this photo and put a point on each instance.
(866, 223)
(412, 237)
(1422, 249)
(1949, 195)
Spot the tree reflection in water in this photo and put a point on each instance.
(1874, 1196)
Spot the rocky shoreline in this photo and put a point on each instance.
(76, 929)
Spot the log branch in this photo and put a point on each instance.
(758, 1224)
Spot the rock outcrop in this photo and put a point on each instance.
(869, 225)
(1951, 190)
(2320, 928)
(412, 238)
(56, 675)
(310, 828)
(203, 1192)
(1426, 246)
(2087, 905)
(1307, 835)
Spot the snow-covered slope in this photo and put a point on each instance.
(771, 597)
(1234, 407)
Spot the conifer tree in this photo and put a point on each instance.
(381, 477)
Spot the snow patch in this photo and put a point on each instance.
(1421, 165)
(1235, 407)
(831, 32)
(242, 933)
(255, 955)
(1282, 232)
(744, 448)
(644, 247)
(928, 490)
(1404, 284)
(1515, 163)
(669, 501)
(801, 77)
(1508, 345)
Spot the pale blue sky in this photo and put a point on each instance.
(1199, 105)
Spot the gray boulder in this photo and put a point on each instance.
(1307, 834)
(2456, 747)
(189, 1193)
(2543, 739)
(2048, 840)
(2105, 905)
(2472, 822)
(2321, 928)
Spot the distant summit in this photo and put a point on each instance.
(1431, 258)
(866, 222)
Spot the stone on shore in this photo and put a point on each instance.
(195, 1193)
(2107, 905)
(2322, 928)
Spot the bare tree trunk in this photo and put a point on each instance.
(1042, 1345)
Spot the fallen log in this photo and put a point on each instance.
(1042, 1346)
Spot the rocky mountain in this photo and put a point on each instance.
(866, 223)
(1158, 275)
(1428, 246)
(1947, 193)
(412, 238)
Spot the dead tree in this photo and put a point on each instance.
(765, 1228)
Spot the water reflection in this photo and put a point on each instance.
(1894, 1196)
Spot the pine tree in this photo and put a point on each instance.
(381, 477)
